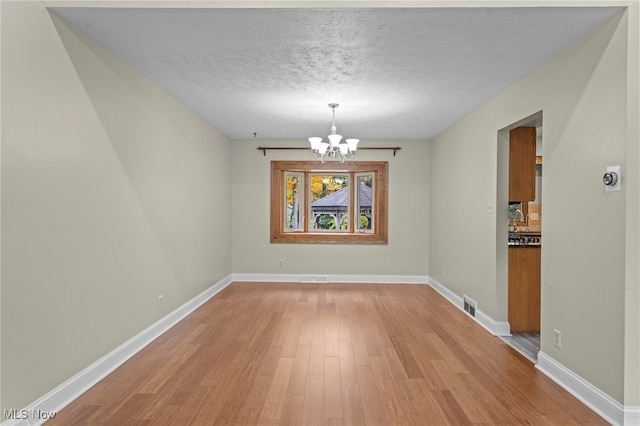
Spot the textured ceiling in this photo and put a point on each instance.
(396, 73)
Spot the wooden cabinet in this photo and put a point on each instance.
(522, 164)
(524, 289)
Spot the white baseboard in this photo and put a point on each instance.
(497, 328)
(64, 394)
(267, 278)
(338, 279)
(631, 416)
(609, 409)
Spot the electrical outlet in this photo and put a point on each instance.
(160, 302)
(557, 338)
(444, 273)
(281, 263)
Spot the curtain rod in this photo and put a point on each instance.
(264, 149)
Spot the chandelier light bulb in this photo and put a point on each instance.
(323, 148)
(315, 143)
(353, 144)
(334, 140)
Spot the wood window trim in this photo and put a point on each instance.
(378, 168)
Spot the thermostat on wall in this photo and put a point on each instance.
(611, 179)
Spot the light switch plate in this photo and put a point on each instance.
(613, 188)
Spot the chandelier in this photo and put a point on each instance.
(340, 151)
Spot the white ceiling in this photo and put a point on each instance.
(396, 73)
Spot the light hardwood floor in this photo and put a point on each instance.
(332, 354)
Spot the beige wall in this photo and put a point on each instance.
(405, 254)
(632, 216)
(583, 97)
(112, 194)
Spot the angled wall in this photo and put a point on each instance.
(111, 196)
(583, 94)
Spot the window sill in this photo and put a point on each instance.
(329, 238)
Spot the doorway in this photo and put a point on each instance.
(519, 231)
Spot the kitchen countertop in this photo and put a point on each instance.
(524, 239)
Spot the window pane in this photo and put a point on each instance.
(294, 221)
(293, 203)
(330, 199)
(364, 203)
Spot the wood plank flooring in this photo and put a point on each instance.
(327, 354)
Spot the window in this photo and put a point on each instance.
(312, 202)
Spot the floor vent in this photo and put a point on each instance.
(314, 279)
(469, 305)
